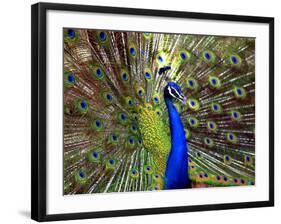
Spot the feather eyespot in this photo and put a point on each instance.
(235, 60)
(147, 75)
(71, 78)
(71, 33)
(209, 56)
(102, 36)
(132, 51)
(239, 92)
(83, 105)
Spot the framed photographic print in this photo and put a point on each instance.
(138, 111)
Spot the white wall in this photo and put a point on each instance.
(15, 109)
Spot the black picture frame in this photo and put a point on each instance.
(38, 108)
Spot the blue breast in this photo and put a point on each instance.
(176, 176)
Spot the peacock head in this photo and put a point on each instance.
(173, 91)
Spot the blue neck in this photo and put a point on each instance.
(176, 176)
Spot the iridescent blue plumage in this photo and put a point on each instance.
(176, 176)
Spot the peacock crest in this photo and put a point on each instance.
(125, 129)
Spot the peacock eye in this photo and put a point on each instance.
(147, 75)
(108, 96)
(207, 56)
(240, 92)
(234, 60)
(95, 154)
(174, 92)
(102, 36)
(82, 174)
(83, 105)
(99, 72)
(71, 78)
(132, 51)
(71, 33)
(125, 77)
(183, 56)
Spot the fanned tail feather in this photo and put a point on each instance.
(116, 129)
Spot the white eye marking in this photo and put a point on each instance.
(179, 96)
(176, 94)
(170, 91)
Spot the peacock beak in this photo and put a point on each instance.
(182, 99)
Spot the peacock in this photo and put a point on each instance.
(148, 111)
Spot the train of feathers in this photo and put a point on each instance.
(117, 124)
